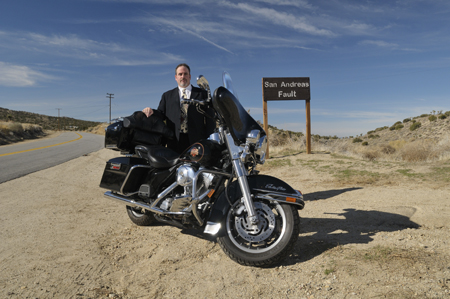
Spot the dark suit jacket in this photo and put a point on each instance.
(199, 126)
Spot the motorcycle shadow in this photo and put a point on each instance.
(318, 235)
(327, 194)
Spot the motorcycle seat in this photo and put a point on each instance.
(158, 156)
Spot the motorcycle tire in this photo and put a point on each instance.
(140, 217)
(277, 233)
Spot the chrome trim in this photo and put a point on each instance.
(215, 137)
(235, 152)
(253, 136)
(194, 204)
(298, 195)
(129, 173)
(197, 175)
(163, 194)
(212, 228)
(139, 204)
(280, 197)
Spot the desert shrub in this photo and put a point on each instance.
(388, 150)
(371, 155)
(357, 140)
(371, 136)
(277, 139)
(424, 115)
(370, 132)
(432, 118)
(365, 143)
(406, 120)
(3, 128)
(33, 129)
(447, 113)
(442, 116)
(415, 126)
(15, 128)
(381, 129)
(418, 151)
(397, 144)
(396, 126)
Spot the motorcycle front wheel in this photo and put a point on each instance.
(265, 244)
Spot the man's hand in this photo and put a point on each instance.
(147, 111)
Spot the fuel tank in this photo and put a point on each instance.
(205, 152)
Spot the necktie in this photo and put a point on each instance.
(183, 117)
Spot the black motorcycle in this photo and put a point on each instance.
(213, 186)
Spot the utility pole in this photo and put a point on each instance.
(59, 127)
(110, 96)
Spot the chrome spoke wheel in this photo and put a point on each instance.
(261, 237)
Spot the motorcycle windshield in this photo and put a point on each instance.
(234, 115)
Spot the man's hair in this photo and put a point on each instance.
(182, 64)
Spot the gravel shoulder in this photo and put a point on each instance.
(369, 230)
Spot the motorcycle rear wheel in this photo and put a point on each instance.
(140, 217)
(277, 233)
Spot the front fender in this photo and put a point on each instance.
(261, 186)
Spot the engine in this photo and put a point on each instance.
(187, 175)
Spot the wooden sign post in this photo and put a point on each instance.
(281, 89)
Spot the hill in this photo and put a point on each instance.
(45, 121)
(421, 138)
(16, 126)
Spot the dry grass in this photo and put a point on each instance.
(13, 132)
(428, 143)
(99, 129)
(422, 150)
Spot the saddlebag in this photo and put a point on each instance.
(124, 174)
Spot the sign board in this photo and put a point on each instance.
(282, 89)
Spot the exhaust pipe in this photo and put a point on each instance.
(139, 204)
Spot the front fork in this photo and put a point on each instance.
(241, 174)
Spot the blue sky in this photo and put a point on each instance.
(371, 63)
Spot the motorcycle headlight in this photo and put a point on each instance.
(260, 145)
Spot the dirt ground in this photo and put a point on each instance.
(369, 230)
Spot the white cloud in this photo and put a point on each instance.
(297, 23)
(295, 3)
(386, 45)
(20, 76)
(73, 46)
(230, 32)
(182, 27)
(380, 43)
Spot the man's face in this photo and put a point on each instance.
(183, 77)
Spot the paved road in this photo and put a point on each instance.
(23, 158)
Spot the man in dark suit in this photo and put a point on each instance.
(188, 124)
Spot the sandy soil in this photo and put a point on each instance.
(361, 237)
